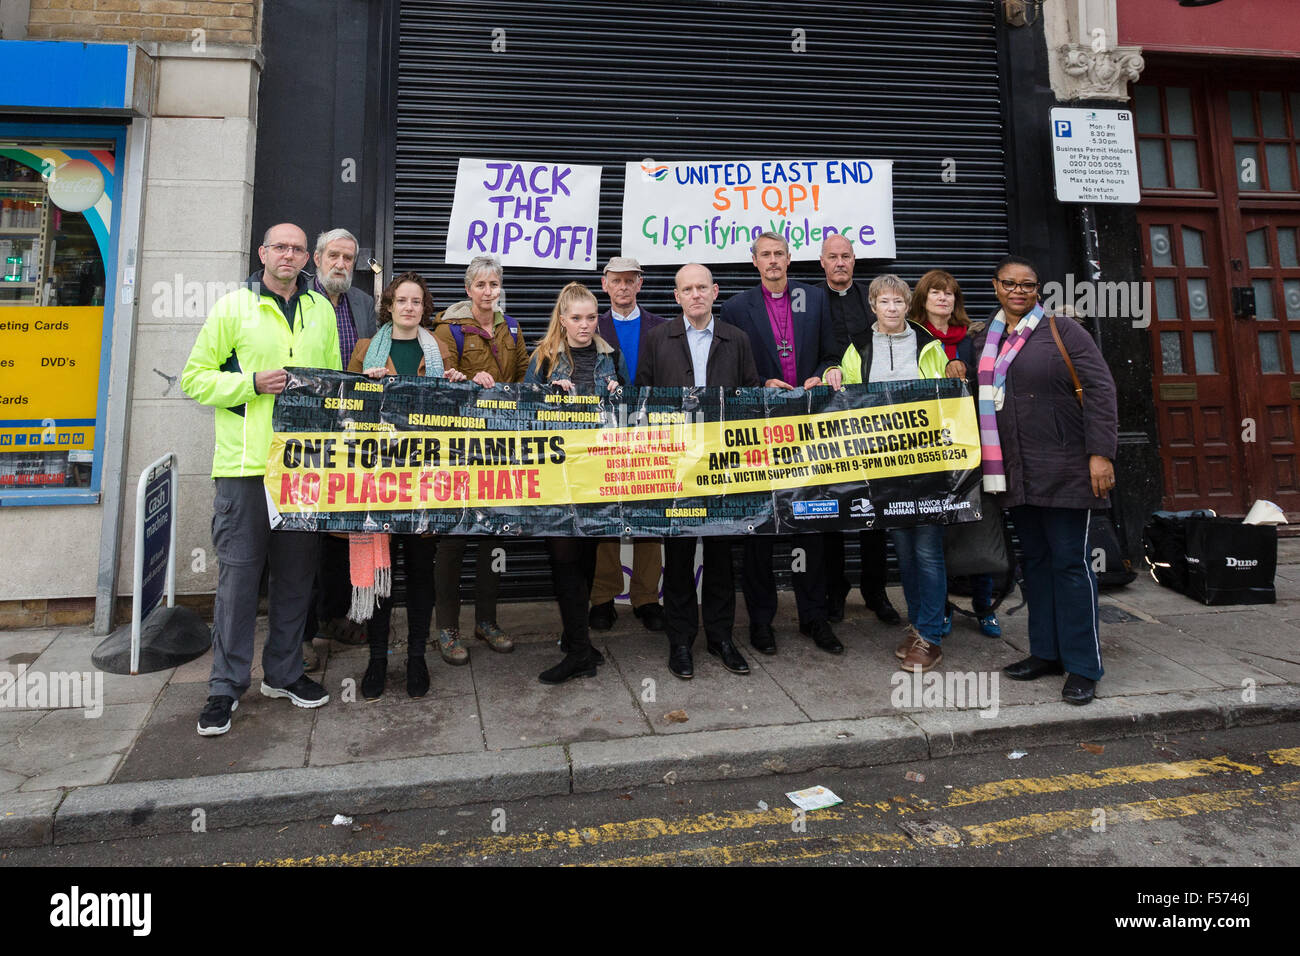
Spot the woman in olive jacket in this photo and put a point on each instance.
(485, 345)
(1050, 458)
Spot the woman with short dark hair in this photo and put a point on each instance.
(1048, 443)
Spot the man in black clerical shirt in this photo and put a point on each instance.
(851, 313)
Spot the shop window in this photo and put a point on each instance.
(56, 222)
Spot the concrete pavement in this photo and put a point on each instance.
(491, 731)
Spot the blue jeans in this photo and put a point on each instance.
(925, 582)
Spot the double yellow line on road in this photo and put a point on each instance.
(805, 847)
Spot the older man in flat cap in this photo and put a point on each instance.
(626, 324)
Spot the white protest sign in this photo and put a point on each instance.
(712, 211)
(1095, 157)
(542, 215)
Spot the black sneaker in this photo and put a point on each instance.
(215, 717)
(304, 692)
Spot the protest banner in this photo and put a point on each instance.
(407, 455)
(542, 215)
(712, 211)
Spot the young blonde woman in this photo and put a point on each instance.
(571, 356)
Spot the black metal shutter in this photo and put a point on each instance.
(915, 81)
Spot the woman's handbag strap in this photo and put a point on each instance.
(1074, 376)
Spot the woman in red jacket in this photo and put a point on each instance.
(939, 307)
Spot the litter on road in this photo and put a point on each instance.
(813, 798)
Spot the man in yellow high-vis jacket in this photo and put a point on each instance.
(238, 367)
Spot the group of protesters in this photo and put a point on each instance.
(1045, 404)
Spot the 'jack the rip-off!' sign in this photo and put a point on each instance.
(542, 215)
(713, 211)
(411, 455)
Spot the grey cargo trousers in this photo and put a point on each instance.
(242, 536)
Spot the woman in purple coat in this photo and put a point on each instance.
(1050, 458)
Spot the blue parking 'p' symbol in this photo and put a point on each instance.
(1062, 128)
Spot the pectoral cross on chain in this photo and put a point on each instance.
(784, 349)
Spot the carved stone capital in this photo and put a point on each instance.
(1089, 74)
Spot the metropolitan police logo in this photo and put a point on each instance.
(816, 509)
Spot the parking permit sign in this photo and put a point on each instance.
(1095, 156)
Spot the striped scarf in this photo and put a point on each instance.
(994, 362)
(369, 561)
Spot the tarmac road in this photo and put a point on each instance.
(1185, 800)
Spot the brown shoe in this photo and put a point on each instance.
(910, 635)
(922, 656)
(450, 647)
(496, 638)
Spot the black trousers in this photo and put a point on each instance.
(759, 579)
(331, 594)
(681, 610)
(417, 558)
(573, 562)
(874, 573)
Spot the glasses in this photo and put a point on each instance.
(1010, 285)
(280, 248)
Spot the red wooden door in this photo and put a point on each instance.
(1198, 414)
(1269, 366)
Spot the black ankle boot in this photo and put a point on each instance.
(417, 677)
(372, 684)
(575, 664)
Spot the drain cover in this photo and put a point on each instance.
(931, 832)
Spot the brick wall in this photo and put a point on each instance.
(145, 20)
